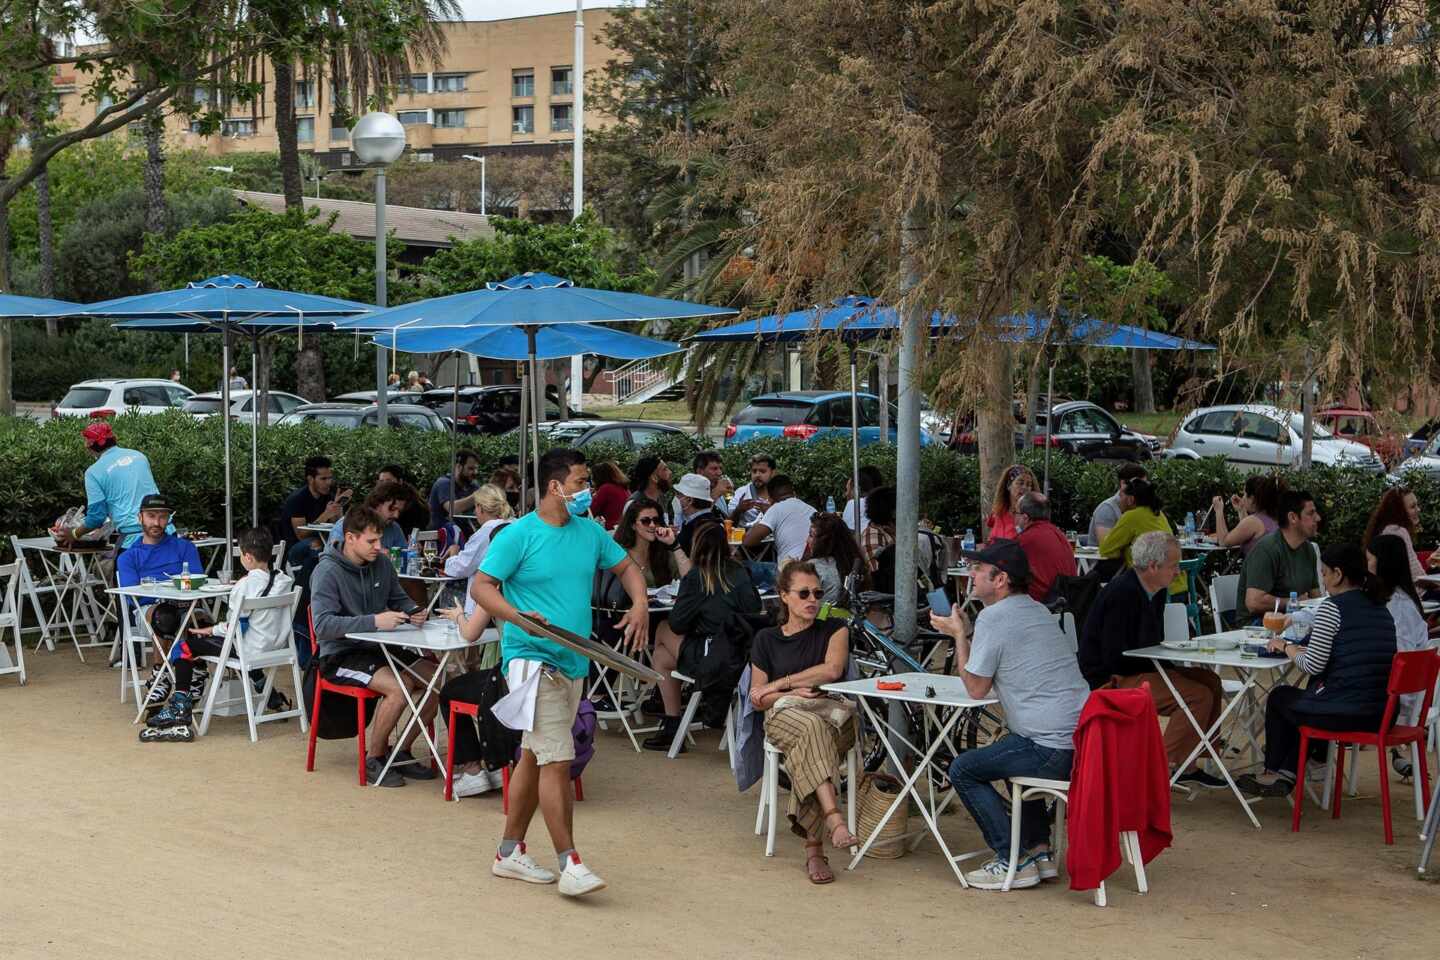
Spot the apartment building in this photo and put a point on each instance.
(504, 85)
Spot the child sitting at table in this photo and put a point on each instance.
(261, 633)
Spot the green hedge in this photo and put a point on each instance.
(44, 464)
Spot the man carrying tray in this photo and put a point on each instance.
(546, 565)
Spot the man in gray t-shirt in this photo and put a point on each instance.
(1018, 654)
(1108, 513)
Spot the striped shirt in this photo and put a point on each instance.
(1316, 656)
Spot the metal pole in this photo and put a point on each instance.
(227, 565)
(482, 186)
(855, 440)
(524, 437)
(882, 363)
(1049, 415)
(538, 410)
(255, 399)
(454, 429)
(907, 467)
(1307, 414)
(382, 373)
(578, 82)
(577, 382)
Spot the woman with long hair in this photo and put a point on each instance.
(1398, 514)
(1388, 560)
(1347, 660)
(788, 665)
(1014, 484)
(1143, 514)
(834, 553)
(651, 478)
(611, 492)
(712, 594)
(650, 543)
(1257, 508)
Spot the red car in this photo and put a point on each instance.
(1360, 426)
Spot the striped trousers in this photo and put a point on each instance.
(812, 748)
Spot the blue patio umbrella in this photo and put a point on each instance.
(15, 307)
(224, 304)
(529, 302)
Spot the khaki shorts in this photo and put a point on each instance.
(557, 701)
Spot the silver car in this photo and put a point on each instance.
(1260, 437)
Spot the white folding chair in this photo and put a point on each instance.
(1223, 599)
(1030, 788)
(134, 633)
(769, 811)
(277, 556)
(10, 620)
(233, 657)
(687, 719)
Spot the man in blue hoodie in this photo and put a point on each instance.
(160, 556)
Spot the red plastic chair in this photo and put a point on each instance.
(461, 708)
(1412, 672)
(358, 694)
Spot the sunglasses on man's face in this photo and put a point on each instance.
(805, 593)
(647, 521)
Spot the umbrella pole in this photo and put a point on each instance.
(524, 437)
(255, 399)
(537, 411)
(855, 440)
(454, 429)
(227, 566)
(1049, 415)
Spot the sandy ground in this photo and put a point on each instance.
(112, 848)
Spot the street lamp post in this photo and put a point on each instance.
(481, 161)
(378, 140)
(577, 363)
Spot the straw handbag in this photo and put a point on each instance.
(877, 792)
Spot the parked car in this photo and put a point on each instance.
(496, 409)
(810, 415)
(1082, 429)
(393, 395)
(410, 416)
(1418, 441)
(106, 398)
(243, 403)
(1360, 426)
(1257, 437)
(632, 434)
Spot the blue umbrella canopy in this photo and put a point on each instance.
(223, 300)
(511, 343)
(17, 307)
(530, 300)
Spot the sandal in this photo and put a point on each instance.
(840, 836)
(819, 874)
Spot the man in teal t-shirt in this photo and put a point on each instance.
(545, 564)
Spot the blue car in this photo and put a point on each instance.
(810, 415)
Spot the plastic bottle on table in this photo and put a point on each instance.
(185, 575)
(1292, 606)
(412, 555)
(969, 542)
(830, 504)
(1190, 525)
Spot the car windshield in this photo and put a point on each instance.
(566, 433)
(1297, 423)
(86, 397)
(202, 405)
(774, 412)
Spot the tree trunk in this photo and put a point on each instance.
(1144, 389)
(310, 371)
(286, 136)
(1032, 396)
(45, 224)
(994, 424)
(155, 175)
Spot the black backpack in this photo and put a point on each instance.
(716, 663)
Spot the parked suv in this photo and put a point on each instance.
(1082, 429)
(810, 415)
(1259, 437)
(410, 416)
(106, 398)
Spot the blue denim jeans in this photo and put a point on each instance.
(973, 772)
(763, 574)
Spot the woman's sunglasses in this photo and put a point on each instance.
(805, 593)
(647, 521)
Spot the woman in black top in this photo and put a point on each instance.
(714, 591)
(788, 665)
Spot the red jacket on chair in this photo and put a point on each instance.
(1120, 782)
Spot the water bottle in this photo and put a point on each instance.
(185, 575)
(830, 504)
(1190, 526)
(412, 555)
(1292, 606)
(969, 542)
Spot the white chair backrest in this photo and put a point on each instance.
(252, 605)
(1177, 622)
(9, 588)
(1066, 621)
(1224, 598)
(277, 554)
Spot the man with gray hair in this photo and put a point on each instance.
(1130, 613)
(1047, 549)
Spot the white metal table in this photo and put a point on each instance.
(70, 575)
(1248, 667)
(936, 693)
(439, 638)
(162, 590)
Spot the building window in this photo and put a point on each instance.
(304, 93)
(561, 84)
(338, 130)
(560, 118)
(522, 83)
(412, 117)
(238, 128)
(416, 83)
(450, 82)
(523, 120)
(305, 129)
(449, 118)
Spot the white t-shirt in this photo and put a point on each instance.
(268, 629)
(849, 515)
(467, 561)
(789, 521)
(746, 492)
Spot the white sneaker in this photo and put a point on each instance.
(992, 875)
(519, 866)
(576, 879)
(497, 778)
(1044, 863)
(473, 784)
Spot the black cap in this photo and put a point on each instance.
(155, 501)
(1004, 555)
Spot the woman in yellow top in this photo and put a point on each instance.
(1143, 516)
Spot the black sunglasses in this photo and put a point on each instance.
(805, 593)
(647, 521)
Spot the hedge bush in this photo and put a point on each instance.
(44, 465)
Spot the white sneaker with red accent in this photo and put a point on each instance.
(576, 879)
(519, 866)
